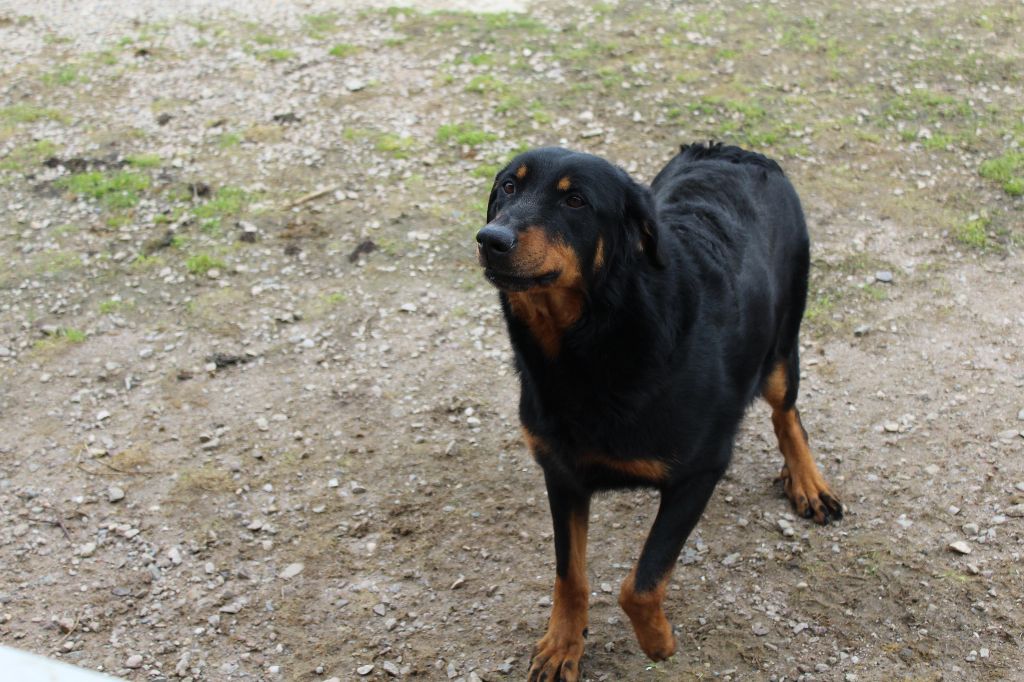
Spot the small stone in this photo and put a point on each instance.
(355, 85)
(390, 624)
(408, 308)
(786, 527)
(391, 669)
(459, 582)
(883, 276)
(799, 627)
(365, 669)
(262, 424)
(862, 330)
(234, 606)
(960, 547)
(380, 609)
(970, 529)
(356, 488)
(115, 494)
(333, 483)
(88, 549)
(891, 427)
(146, 353)
(606, 588)
(291, 570)
(134, 661)
(971, 657)
(174, 554)
(1016, 511)
(5, 352)
(1020, 415)
(759, 629)
(102, 415)
(731, 559)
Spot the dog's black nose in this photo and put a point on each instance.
(496, 240)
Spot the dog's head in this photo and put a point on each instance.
(558, 218)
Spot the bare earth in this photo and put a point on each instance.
(258, 417)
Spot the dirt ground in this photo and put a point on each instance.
(258, 416)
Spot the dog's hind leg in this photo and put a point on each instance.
(805, 486)
(643, 590)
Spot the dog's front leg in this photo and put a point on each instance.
(557, 655)
(643, 590)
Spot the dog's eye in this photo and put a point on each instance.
(574, 201)
(509, 187)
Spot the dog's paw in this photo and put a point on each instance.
(810, 495)
(556, 658)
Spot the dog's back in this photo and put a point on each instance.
(740, 224)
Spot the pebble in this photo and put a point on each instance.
(134, 661)
(1020, 414)
(862, 330)
(786, 527)
(354, 85)
(115, 494)
(884, 276)
(262, 424)
(960, 547)
(891, 427)
(365, 669)
(291, 570)
(731, 559)
(380, 609)
(606, 588)
(391, 669)
(759, 629)
(1016, 511)
(88, 549)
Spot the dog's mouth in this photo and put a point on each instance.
(510, 282)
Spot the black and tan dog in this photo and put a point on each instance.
(644, 321)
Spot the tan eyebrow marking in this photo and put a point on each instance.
(521, 171)
(564, 184)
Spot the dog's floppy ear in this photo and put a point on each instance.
(642, 220)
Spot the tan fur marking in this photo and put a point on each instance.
(564, 184)
(599, 255)
(549, 310)
(805, 486)
(645, 612)
(645, 469)
(522, 171)
(558, 653)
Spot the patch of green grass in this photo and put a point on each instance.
(395, 145)
(1007, 170)
(264, 39)
(228, 201)
(485, 84)
(464, 133)
(118, 190)
(318, 24)
(28, 155)
(110, 305)
(65, 75)
(229, 140)
(30, 113)
(277, 54)
(64, 337)
(973, 232)
(342, 50)
(143, 160)
(201, 263)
